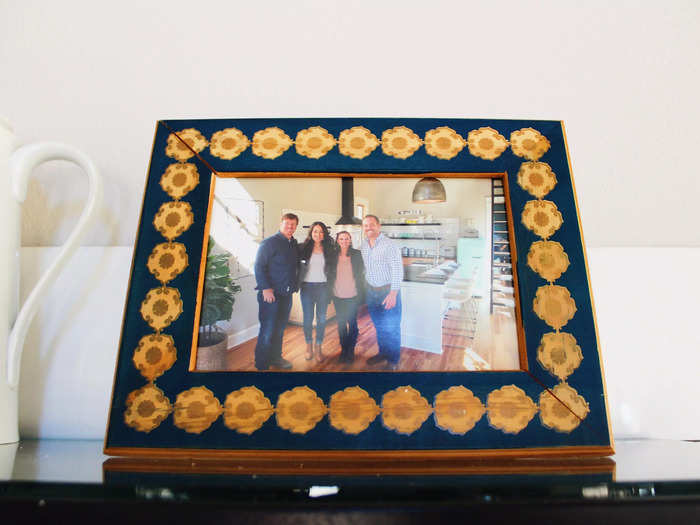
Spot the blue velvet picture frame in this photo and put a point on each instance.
(556, 405)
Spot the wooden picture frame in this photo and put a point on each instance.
(554, 405)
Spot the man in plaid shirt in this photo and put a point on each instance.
(384, 273)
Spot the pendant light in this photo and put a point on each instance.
(429, 190)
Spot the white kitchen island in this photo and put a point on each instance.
(421, 316)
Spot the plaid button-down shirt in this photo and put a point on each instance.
(383, 264)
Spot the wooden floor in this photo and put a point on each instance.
(493, 347)
(496, 340)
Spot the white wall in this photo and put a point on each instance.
(320, 195)
(623, 76)
(465, 198)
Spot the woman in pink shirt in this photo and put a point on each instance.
(346, 283)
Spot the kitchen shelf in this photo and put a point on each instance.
(415, 238)
(412, 224)
(500, 247)
(502, 277)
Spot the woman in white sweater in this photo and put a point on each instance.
(316, 254)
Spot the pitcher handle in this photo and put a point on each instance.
(22, 163)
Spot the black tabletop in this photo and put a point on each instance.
(645, 482)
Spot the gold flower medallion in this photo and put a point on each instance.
(179, 179)
(486, 143)
(510, 409)
(444, 143)
(457, 410)
(173, 218)
(352, 410)
(246, 409)
(548, 260)
(537, 178)
(228, 143)
(179, 151)
(161, 307)
(564, 410)
(542, 218)
(559, 354)
(167, 261)
(299, 410)
(196, 409)
(529, 143)
(154, 355)
(146, 408)
(314, 142)
(270, 143)
(404, 410)
(554, 305)
(400, 142)
(357, 142)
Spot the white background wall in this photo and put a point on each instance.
(624, 76)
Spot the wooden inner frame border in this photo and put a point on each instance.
(568, 468)
(502, 176)
(332, 457)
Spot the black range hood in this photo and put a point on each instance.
(348, 203)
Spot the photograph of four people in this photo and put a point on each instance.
(315, 287)
(324, 269)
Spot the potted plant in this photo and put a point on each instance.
(217, 305)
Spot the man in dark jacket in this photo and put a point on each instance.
(276, 277)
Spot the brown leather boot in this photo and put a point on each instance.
(309, 351)
(319, 351)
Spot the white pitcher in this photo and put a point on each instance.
(16, 164)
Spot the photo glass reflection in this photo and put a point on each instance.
(334, 274)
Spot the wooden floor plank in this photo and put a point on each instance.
(494, 341)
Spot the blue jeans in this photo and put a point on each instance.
(273, 320)
(346, 314)
(387, 323)
(314, 296)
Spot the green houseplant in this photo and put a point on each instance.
(217, 305)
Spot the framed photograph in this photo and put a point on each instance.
(359, 288)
